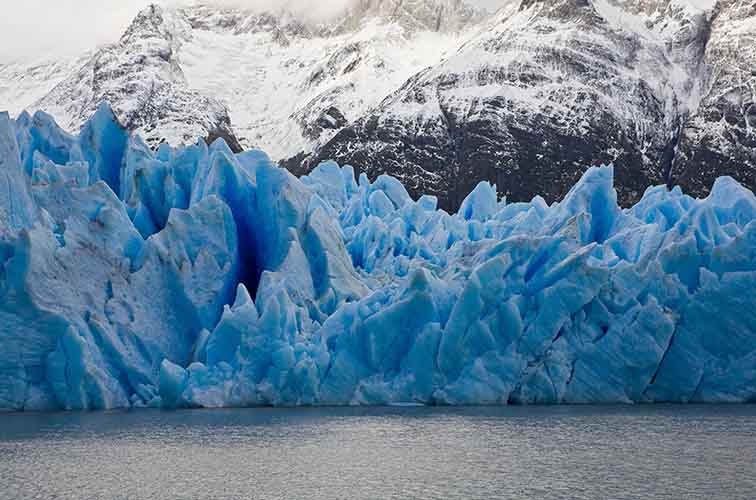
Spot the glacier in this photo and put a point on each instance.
(196, 277)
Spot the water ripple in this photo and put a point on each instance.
(651, 452)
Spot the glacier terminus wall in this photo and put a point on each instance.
(196, 277)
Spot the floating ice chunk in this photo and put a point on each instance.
(173, 381)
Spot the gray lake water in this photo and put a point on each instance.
(648, 452)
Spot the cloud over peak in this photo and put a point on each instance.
(44, 29)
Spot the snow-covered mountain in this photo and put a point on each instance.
(284, 83)
(436, 93)
(544, 90)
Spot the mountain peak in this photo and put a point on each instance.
(155, 21)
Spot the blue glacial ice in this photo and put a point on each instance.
(193, 277)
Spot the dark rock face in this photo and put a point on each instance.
(550, 88)
(331, 118)
(224, 132)
(720, 139)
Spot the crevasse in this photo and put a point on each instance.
(196, 277)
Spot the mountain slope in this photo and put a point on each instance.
(141, 78)
(291, 86)
(286, 84)
(24, 82)
(548, 89)
(721, 138)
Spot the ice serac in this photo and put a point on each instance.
(197, 277)
(16, 206)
